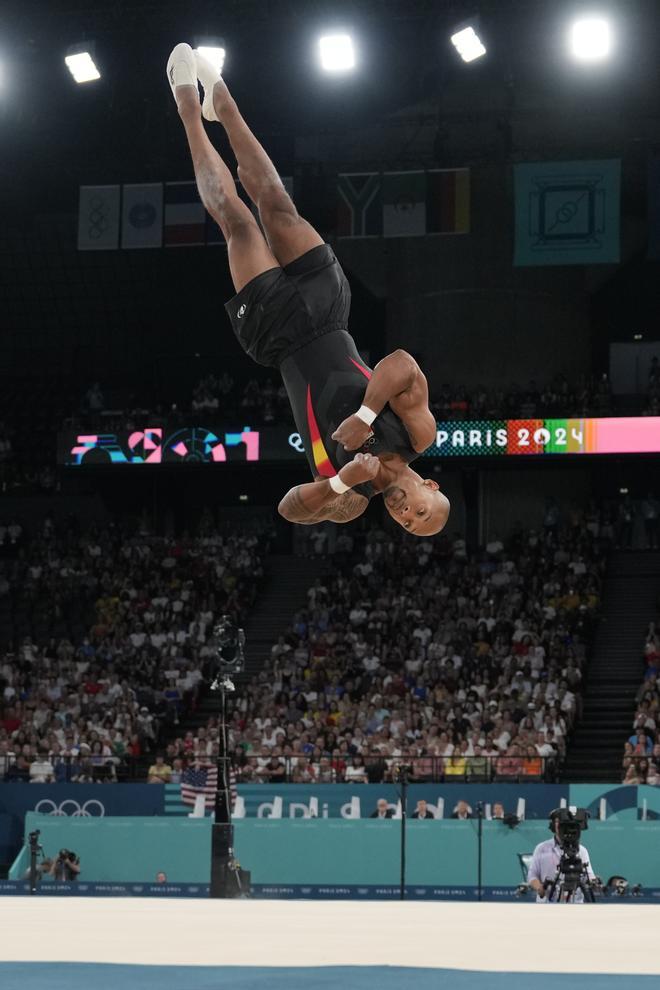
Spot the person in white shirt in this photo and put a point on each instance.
(545, 861)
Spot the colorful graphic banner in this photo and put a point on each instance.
(567, 213)
(472, 438)
(522, 437)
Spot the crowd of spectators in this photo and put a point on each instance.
(263, 402)
(106, 639)
(641, 752)
(251, 402)
(588, 396)
(466, 666)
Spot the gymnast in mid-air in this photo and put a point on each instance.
(361, 428)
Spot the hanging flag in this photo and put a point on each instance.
(653, 209)
(567, 213)
(404, 204)
(197, 780)
(98, 218)
(142, 216)
(448, 201)
(184, 223)
(359, 206)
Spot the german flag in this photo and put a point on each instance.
(448, 201)
(319, 453)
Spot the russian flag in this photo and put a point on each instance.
(184, 219)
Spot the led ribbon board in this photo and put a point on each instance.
(158, 444)
(613, 435)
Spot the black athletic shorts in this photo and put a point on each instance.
(283, 309)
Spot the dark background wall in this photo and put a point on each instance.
(142, 318)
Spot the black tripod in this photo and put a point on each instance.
(401, 777)
(570, 878)
(35, 849)
(227, 879)
(480, 849)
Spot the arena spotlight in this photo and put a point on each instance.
(214, 53)
(337, 52)
(590, 39)
(468, 44)
(81, 65)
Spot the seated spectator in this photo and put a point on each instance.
(642, 744)
(532, 764)
(159, 772)
(462, 811)
(422, 810)
(424, 766)
(381, 810)
(632, 775)
(477, 766)
(356, 772)
(455, 766)
(19, 771)
(510, 765)
(41, 769)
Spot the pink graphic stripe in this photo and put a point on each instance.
(638, 435)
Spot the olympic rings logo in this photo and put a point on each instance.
(296, 441)
(98, 218)
(71, 809)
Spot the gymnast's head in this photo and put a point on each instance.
(417, 504)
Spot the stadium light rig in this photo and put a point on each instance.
(337, 52)
(81, 65)
(468, 44)
(590, 39)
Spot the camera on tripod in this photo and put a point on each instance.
(567, 825)
(229, 644)
(229, 651)
(33, 840)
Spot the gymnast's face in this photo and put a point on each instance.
(417, 505)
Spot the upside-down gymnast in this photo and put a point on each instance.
(291, 313)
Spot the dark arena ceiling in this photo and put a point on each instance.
(123, 127)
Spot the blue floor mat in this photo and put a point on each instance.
(91, 976)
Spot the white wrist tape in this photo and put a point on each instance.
(338, 485)
(366, 414)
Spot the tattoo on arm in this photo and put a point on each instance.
(341, 509)
(346, 507)
(296, 510)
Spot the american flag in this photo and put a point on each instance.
(204, 780)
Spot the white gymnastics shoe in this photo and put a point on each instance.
(208, 75)
(181, 68)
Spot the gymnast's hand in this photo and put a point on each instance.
(363, 467)
(352, 433)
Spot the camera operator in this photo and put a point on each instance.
(546, 861)
(66, 866)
